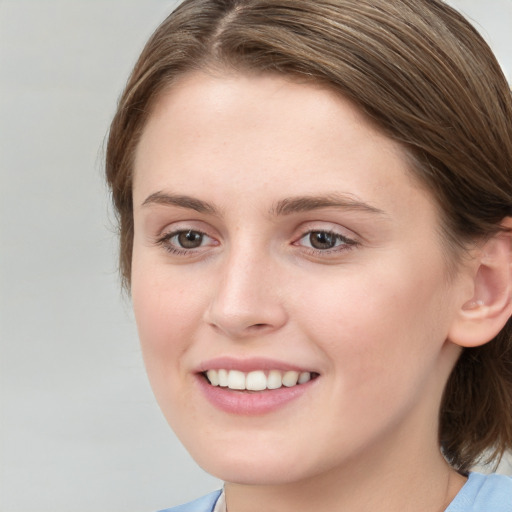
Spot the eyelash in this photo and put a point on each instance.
(345, 245)
(165, 242)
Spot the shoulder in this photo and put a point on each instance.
(484, 493)
(203, 504)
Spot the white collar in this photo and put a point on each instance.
(220, 506)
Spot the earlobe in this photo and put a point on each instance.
(483, 316)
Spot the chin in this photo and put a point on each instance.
(253, 473)
(261, 465)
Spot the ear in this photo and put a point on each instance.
(482, 317)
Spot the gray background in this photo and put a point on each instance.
(80, 430)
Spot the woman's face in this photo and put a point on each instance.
(279, 236)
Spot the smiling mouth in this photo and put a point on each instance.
(258, 380)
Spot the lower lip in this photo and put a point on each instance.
(248, 403)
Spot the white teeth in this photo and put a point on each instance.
(257, 380)
(223, 378)
(290, 379)
(213, 377)
(236, 380)
(274, 379)
(304, 377)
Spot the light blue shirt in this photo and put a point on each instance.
(481, 493)
(204, 504)
(484, 493)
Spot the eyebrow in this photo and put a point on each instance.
(181, 201)
(283, 207)
(308, 203)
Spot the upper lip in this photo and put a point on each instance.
(249, 365)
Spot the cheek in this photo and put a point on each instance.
(382, 327)
(166, 314)
(165, 323)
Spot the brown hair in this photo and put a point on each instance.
(419, 71)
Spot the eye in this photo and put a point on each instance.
(189, 239)
(323, 241)
(184, 241)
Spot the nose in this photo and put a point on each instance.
(248, 300)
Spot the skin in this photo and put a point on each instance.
(371, 316)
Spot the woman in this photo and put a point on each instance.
(315, 205)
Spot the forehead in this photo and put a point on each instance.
(216, 99)
(233, 130)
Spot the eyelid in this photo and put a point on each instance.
(327, 227)
(348, 238)
(164, 239)
(347, 241)
(167, 226)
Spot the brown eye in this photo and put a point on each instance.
(187, 242)
(189, 239)
(325, 241)
(322, 240)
